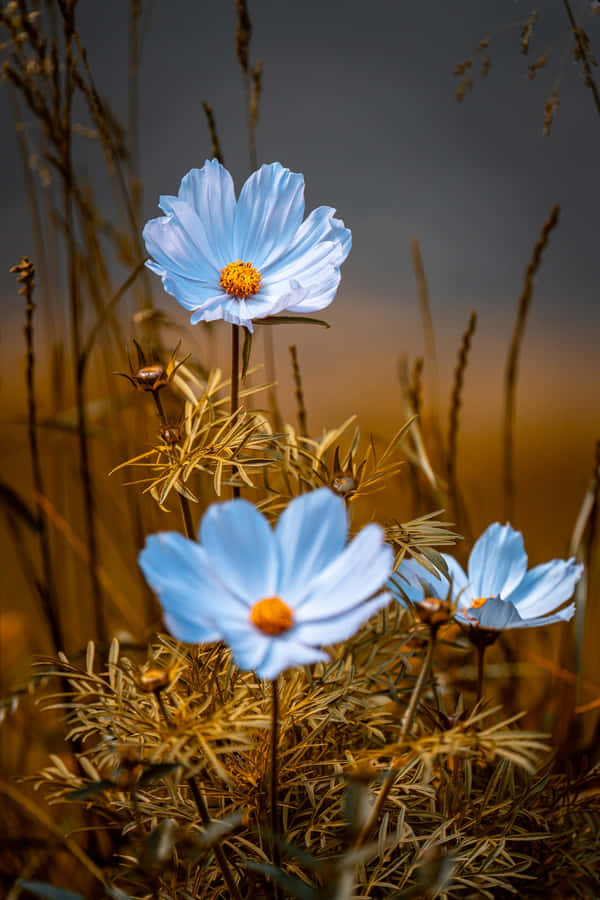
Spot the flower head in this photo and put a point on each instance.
(498, 592)
(245, 260)
(271, 594)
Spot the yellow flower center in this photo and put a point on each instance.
(271, 615)
(240, 279)
(477, 604)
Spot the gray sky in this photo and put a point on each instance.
(360, 98)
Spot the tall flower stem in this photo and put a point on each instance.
(204, 814)
(481, 648)
(274, 780)
(186, 512)
(235, 375)
(404, 729)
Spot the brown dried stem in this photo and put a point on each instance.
(48, 592)
(510, 378)
(301, 409)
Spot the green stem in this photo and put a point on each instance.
(481, 648)
(186, 512)
(205, 816)
(235, 375)
(405, 728)
(274, 781)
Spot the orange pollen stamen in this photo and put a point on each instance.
(477, 604)
(271, 615)
(240, 279)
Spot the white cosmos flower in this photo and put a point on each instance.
(271, 594)
(245, 260)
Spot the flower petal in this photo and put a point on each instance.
(283, 654)
(248, 644)
(210, 193)
(546, 587)
(319, 226)
(267, 302)
(495, 614)
(497, 562)
(360, 570)
(563, 615)
(268, 213)
(242, 549)
(185, 222)
(311, 533)
(190, 632)
(181, 574)
(338, 628)
(418, 582)
(462, 592)
(320, 294)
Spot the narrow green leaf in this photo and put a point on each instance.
(246, 350)
(291, 320)
(154, 773)
(90, 789)
(48, 891)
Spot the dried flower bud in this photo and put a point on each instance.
(171, 434)
(343, 484)
(151, 378)
(434, 612)
(152, 681)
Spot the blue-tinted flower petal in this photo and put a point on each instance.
(268, 213)
(209, 191)
(563, 615)
(546, 587)
(495, 614)
(404, 586)
(283, 654)
(319, 295)
(180, 573)
(360, 570)
(332, 630)
(320, 225)
(420, 581)
(462, 591)
(267, 302)
(178, 252)
(311, 533)
(187, 630)
(497, 562)
(249, 646)
(242, 549)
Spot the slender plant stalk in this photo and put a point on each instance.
(47, 589)
(460, 512)
(186, 512)
(301, 408)
(481, 648)
(205, 816)
(75, 306)
(510, 378)
(235, 375)
(589, 78)
(275, 781)
(431, 369)
(404, 729)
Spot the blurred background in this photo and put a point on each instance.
(363, 101)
